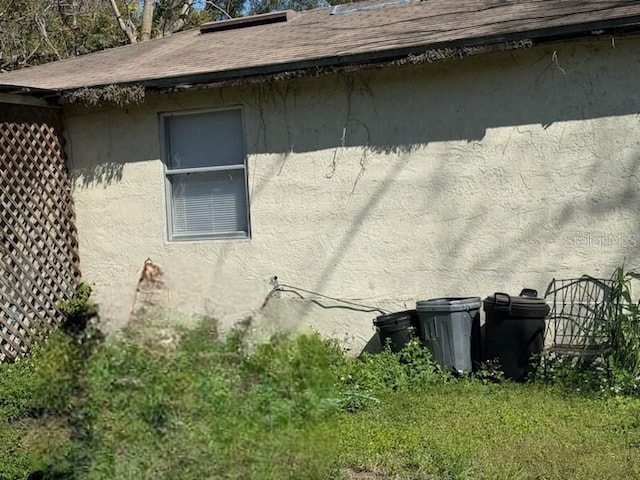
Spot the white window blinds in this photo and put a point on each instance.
(209, 203)
(206, 175)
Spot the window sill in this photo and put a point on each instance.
(209, 238)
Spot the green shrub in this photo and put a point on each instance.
(78, 312)
(42, 385)
(15, 462)
(578, 375)
(489, 372)
(361, 380)
(207, 408)
(44, 382)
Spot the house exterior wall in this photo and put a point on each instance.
(460, 178)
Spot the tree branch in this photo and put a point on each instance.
(219, 8)
(127, 29)
(42, 27)
(181, 19)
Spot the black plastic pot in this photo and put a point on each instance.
(396, 329)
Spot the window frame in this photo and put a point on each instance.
(168, 172)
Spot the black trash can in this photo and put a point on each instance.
(396, 329)
(515, 327)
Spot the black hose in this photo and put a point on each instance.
(357, 307)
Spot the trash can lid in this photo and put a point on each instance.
(517, 306)
(397, 318)
(449, 304)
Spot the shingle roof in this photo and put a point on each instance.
(316, 38)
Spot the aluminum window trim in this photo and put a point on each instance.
(170, 236)
(186, 171)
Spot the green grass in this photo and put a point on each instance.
(209, 411)
(296, 407)
(508, 431)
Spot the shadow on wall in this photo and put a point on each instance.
(624, 198)
(400, 109)
(519, 89)
(101, 142)
(396, 111)
(102, 174)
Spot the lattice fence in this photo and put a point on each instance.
(39, 264)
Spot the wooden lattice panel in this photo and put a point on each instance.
(38, 243)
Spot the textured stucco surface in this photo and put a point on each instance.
(456, 179)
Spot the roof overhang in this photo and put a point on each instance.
(313, 66)
(25, 99)
(478, 45)
(35, 97)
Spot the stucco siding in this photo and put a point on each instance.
(461, 178)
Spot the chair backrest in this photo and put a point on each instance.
(580, 312)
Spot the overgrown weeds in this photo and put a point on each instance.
(616, 369)
(298, 407)
(625, 325)
(206, 409)
(361, 381)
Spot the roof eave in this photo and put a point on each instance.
(622, 26)
(485, 44)
(35, 97)
(626, 26)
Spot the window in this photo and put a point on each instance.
(206, 175)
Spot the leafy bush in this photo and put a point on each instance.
(79, 311)
(43, 382)
(361, 380)
(206, 408)
(578, 375)
(34, 388)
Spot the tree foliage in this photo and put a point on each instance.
(265, 6)
(39, 31)
(143, 20)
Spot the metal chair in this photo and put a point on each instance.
(579, 322)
